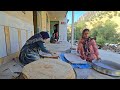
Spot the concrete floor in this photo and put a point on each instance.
(92, 74)
(111, 56)
(10, 69)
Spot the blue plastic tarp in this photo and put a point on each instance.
(82, 66)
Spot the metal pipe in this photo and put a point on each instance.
(72, 33)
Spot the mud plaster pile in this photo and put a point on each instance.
(48, 69)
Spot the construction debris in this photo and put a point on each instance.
(112, 48)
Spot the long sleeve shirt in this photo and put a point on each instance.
(35, 42)
(42, 48)
(92, 48)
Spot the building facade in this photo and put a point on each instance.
(18, 26)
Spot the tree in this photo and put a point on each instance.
(78, 29)
(115, 13)
(110, 16)
(119, 14)
(78, 33)
(100, 17)
(110, 30)
(98, 24)
(100, 41)
(81, 25)
(68, 35)
(105, 33)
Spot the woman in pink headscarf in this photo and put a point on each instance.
(87, 47)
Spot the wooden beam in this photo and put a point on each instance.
(7, 37)
(19, 39)
(35, 21)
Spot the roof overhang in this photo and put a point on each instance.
(57, 15)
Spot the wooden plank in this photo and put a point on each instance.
(19, 39)
(26, 35)
(3, 51)
(35, 21)
(7, 37)
(1, 61)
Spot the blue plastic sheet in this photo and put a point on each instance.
(82, 66)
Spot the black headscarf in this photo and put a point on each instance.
(38, 37)
(44, 35)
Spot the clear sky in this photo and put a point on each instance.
(77, 14)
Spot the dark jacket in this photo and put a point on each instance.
(30, 51)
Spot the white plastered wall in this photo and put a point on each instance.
(63, 30)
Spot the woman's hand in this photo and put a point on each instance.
(98, 58)
(52, 53)
(78, 49)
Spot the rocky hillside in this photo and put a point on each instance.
(92, 18)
